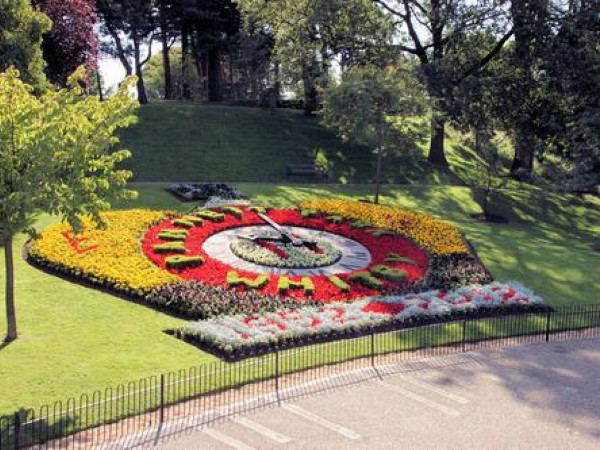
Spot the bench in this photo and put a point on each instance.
(306, 170)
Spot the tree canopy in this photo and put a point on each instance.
(72, 42)
(21, 31)
(57, 156)
(371, 105)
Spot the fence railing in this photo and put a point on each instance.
(174, 401)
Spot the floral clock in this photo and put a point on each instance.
(297, 252)
(258, 277)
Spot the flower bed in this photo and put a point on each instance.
(246, 335)
(438, 237)
(109, 257)
(286, 255)
(202, 192)
(218, 272)
(161, 259)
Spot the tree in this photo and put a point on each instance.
(571, 129)
(205, 33)
(308, 34)
(491, 175)
(130, 24)
(532, 37)
(546, 90)
(154, 78)
(168, 18)
(433, 28)
(374, 106)
(21, 30)
(56, 157)
(72, 42)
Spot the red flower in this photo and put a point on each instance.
(511, 293)
(384, 308)
(214, 272)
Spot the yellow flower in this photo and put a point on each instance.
(436, 236)
(110, 256)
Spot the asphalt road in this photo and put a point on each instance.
(544, 396)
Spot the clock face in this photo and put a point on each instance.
(352, 254)
(288, 253)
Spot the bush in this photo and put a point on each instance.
(173, 235)
(389, 273)
(233, 279)
(339, 283)
(182, 262)
(169, 247)
(210, 215)
(196, 300)
(366, 279)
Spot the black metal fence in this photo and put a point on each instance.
(169, 403)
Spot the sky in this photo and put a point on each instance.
(112, 71)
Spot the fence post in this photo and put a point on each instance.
(162, 397)
(277, 374)
(464, 335)
(372, 348)
(548, 325)
(17, 429)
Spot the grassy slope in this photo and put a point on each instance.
(74, 339)
(195, 142)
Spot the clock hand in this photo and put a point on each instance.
(285, 235)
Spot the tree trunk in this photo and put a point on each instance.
(121, 51)
(214, 74)
(166, 60)
(141, 88)
(99, 84)
(185, 44)
(436, 147)
(310, 90)
(11, 316)
(277, 84)
(522, 165)
(379, 173)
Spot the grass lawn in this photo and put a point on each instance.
(74, 339)
(198, 142)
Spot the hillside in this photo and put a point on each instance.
(198, 142)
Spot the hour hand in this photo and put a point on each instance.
(259, 237)
(285, 236)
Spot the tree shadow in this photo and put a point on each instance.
(558, 380)
(4, 344)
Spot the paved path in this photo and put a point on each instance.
(543, 396)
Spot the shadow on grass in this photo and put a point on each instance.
(4, 344)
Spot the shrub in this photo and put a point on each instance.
(396, 258)
(183, 223)
(182, 262)
(338, 220)
(380, 233)
(196, 300)
(308, 213)
(366, 279)
(388, 273)
(234, 211)
(339, 283)
(173, 235)
(285, 284)
(213, 216)
(169, 247)
(233, 279)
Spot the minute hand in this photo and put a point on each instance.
(280, 230)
